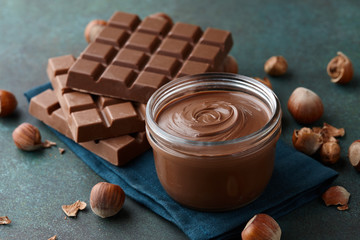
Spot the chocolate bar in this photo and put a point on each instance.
(130, 58)
(93, 117)
(117, 150)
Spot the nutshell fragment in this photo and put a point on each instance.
(71, 210)
(4, 220)
(61, 150)
(48, 144)
(337, 195)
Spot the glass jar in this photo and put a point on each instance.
(214, 175)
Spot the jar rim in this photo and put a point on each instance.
(225, 79)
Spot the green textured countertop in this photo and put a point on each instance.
(33, 186)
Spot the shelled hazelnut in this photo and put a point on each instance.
(276, 66)
(8, 103)
(319, 140)
(261, 226)
(305, 105)
(354, 154)
(330, 152)
(106, 199)
(340, 69)
(307, 141)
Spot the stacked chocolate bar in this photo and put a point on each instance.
(98, 99)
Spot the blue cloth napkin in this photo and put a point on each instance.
(297, 179)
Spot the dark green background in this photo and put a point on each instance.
(33, 186)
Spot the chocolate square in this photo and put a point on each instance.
(174, 48)
(192, 67)
(130, 58)
(143, 42)
(124, 20)
(112, 36)
(163, 65)
(118, 75)
(185, 31)
(217, 37)
(85, 70)
(59, 65)
(157, 26)
(99, 52)
(207, 54)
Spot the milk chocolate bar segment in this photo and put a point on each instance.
(131, 59)
(157, 26)
(175, 48)
(217, 37)
(124, 20)
(59, 66)
(46, 107)
(87, 117)
(207, 54)
(193, 67)
(85, 72)
(163, 65)
(143, 42)
(112, 36)
(184, 31)
(99, 52)
(151, 46)
(117, 150)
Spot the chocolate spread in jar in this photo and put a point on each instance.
(211, 173)
(214, 116)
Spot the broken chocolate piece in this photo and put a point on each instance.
(87, 116)
(117, 150)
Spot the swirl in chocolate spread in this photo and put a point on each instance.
(213, 116)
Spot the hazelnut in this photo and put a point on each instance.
(336, 195)
(265, 81)
(8, 103)
(307, 141)
(93, 28)
(305, 106)
(163, 16)
(330, 152)
(340, 69)
(354, 154)
(230, 65)
(106, 199)
(27, 137)
(276, 66)
(261, 226)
